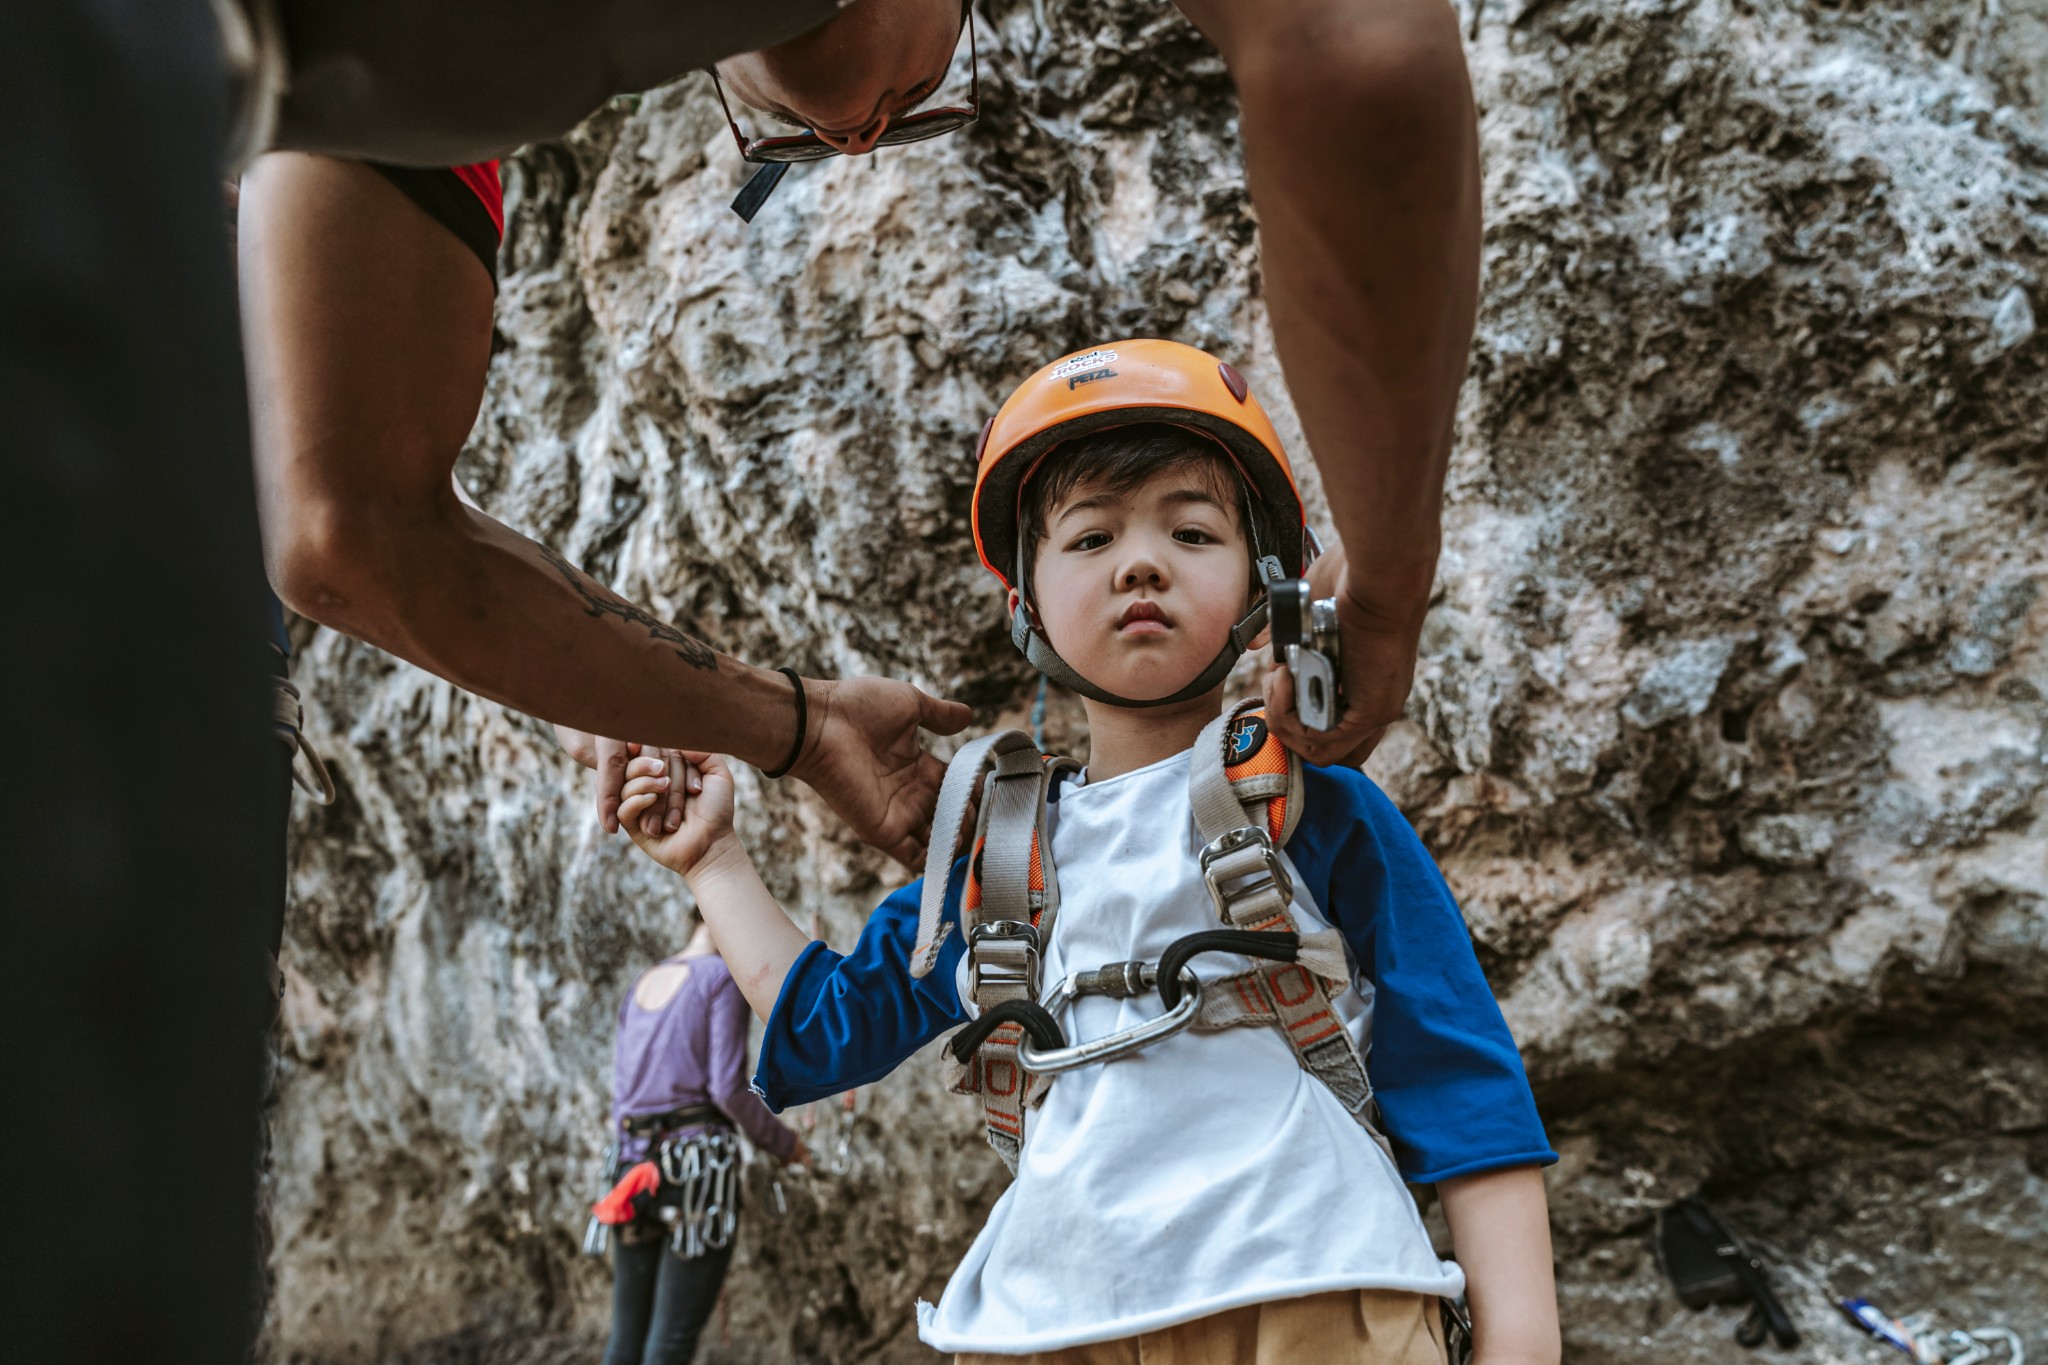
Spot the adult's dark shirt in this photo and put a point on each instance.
(446, 82)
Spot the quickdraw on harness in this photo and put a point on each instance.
(1246, 794)
(703, 1169)
(689, 1184)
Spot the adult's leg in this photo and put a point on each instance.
(636, 1267)
(133, 850)
(683, 1303)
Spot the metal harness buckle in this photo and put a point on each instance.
(1004, 953)
(1268, 873)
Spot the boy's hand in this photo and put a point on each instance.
(1379, 625)
(704, 826)
(608, 757)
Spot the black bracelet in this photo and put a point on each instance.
(803, 725)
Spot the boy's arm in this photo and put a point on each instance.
(756, 939)
(728, 1078)
(1500, 1231)
(832, 1022)
(754, 936)
(1444, 1067)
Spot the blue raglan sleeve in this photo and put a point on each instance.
(1452, 1093)
(840, 1022)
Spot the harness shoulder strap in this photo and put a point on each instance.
(1246, 792)
(1262, 771)
(1007, 908)
(948, 821)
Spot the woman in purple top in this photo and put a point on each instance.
(679, 1066)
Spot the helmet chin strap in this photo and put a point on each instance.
(1047, 661)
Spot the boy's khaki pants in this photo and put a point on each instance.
(1353, 1327)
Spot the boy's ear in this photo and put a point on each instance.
(1014, 600)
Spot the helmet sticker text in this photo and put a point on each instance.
(1089, 378)
(1094, 360)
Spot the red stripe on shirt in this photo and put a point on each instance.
(482, 180)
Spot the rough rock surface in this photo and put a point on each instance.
(1729, 731)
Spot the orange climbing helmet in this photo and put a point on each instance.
(1119, 384)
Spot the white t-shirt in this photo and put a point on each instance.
(1208, 1171)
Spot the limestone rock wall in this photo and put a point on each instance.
(1729, 731)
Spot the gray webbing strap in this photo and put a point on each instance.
(1004, 965)
(1217, 808)
(1013, 793)
(954, 795)
(1253, 891)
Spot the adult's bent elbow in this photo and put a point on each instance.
(329, 564)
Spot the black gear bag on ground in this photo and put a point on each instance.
(1709, 1264)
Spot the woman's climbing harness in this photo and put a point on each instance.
(689, 1185)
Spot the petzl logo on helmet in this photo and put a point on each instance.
(1247, 737)
(1094, 360)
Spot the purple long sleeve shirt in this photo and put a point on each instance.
(692, 1050)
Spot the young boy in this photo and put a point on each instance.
(1215, 1196)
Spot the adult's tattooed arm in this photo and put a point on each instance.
(369, 330)
(599, 600)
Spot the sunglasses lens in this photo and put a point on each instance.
(918, 127)
(786, 150)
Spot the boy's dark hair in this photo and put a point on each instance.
(1120, 459)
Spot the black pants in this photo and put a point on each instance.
(661, 1301)
(134, 900)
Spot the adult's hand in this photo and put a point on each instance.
(608, 759)
(1379, 622)
(863, 754)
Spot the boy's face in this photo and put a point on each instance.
(1138, 590)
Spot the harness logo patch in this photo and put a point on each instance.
(1089, 378)
(1094, 360)
(1247, 737)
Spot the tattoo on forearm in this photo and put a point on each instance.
(601, 601)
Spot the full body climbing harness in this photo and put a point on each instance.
(1246, 793)
(1245, 790)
